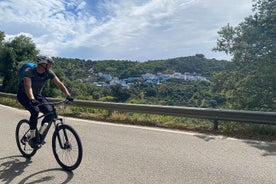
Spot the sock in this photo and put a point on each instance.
(32, 133)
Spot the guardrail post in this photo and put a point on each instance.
(109, 113)
(216, 123)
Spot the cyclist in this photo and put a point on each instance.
(30, 94)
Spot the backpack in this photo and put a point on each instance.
(23, 68)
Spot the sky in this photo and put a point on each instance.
(136, 30)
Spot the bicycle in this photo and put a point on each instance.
(66, 144)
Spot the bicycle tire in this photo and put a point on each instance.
(21, 129)
(72, 147)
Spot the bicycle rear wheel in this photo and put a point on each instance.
(21, 131)
(67, 147)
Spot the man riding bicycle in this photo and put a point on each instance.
(30, 93)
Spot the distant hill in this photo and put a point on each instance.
(75, 68)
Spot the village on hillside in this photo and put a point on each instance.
(148, 78)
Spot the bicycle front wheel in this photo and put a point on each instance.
(21, 131)
(67, 147)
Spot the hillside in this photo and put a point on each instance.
(81, 76)
(75, 68)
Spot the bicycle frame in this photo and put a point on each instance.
(57, 122)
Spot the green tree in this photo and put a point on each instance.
(12, 52)
(120, 94)
(254, 39)
(2, 36)
(249, 82)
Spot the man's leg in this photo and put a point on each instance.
(34, 111)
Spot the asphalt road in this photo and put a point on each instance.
(119, 154)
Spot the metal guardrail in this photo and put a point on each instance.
(257, 117)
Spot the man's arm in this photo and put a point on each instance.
(28, 88)
(61, 86)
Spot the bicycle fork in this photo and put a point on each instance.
(62, 135)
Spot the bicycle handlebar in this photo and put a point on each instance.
(65, 101)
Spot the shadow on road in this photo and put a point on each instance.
(13, 166)
(268, 148)
(205, 137)
(46, 176)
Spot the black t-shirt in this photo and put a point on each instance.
(38, 80)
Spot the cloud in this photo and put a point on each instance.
(134, 30)
(52, 23)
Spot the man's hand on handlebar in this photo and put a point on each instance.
(70, 98)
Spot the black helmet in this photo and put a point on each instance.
(44, 59)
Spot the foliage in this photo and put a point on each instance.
(80, 74)
(192, 64)
(13, 52)
(253, 40)
(249, 81)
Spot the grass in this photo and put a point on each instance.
(230, 129)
